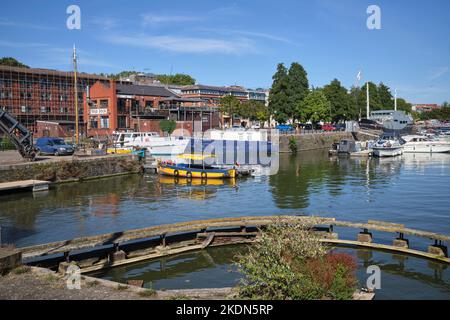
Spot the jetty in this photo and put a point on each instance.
(33, 185)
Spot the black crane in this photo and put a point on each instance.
(19, 135)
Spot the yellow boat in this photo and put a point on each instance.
(195, 171)
(196, 182)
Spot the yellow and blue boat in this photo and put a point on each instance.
(195, 171)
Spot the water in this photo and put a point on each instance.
(412, 189)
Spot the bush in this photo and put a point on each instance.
(293, 145)
(6, 144)
(167, 126)
(290, 262)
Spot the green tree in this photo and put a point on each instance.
(315, 107)
(342, 106)
(11, 62)
(177, 79)
(167, 126)
(403, 105)
(229, 105)
(298, 87)
(278, 98)
(385, 97)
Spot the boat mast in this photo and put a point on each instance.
(75, 87)
(368, 101)
(395, 100)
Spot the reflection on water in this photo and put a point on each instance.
(210, 268)
(412, 190)
(402, 277)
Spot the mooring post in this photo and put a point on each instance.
(365, 236)
(401, 241)
(163, 240)
(67, 256)
(117, 254)
(438, 249)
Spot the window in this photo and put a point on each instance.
(63, 110)
(122, 121)
(45, 109)
(94, 122)
(103, 103)
(25, 109)
(5, 95)
(104, 122)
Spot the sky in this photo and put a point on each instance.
(241, 42)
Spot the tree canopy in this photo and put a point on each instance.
(279, 102)
(11, 62)
(315, 107)
(342, 105)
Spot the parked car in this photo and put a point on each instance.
(54, 146)
(328, 127)
(285, 128)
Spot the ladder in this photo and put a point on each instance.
(19, 135)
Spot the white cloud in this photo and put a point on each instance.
(182, 44)
(249, 34)
(154, 19)
(439, 73)
(13, 44)
(8, 23)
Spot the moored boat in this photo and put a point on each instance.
(388, 145)
(195, 171)
(424, 144)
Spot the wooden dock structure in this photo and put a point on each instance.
(33, 185)
(121, 248)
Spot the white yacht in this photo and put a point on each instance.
(388, 145)
(152, 141)
(424, 144)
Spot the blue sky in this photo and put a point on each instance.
(225, 42)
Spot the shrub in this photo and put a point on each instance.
(293, 145)
(290, 262)
(167, 126)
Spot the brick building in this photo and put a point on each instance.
(212, 94)
(425, 107)
(42, 98)
(112, 106)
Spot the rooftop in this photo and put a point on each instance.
(140, 90)
(51, 72)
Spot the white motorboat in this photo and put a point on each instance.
(424, 144)
(388, 145)
(154, 143)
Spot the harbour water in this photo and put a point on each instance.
(411, 189)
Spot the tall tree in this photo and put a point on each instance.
(229, 105)
(385, 97)
(298, 87)
(9, 61)
(315, 107)
(402, 105)
(278, 98)
(342, 106)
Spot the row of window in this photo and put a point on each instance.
(42, 109)
(44, 96)
(215, 92)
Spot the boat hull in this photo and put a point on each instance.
(194, 173)
(387, 152)
(427, 148)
